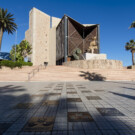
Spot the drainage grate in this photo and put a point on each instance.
(74, 100)
(51, 102)
(39, 124)
(93, 98)
(79, 117)
(110, 112)
(4, 127)
(23, 106)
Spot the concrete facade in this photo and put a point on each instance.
(42, 37)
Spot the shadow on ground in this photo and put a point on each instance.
(124, 95)
(16, 119)
(92, 76)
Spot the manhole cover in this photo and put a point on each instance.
(110, 112)
(39, 124)
(4, 127)
(23, 106)
(79, 117)
(72, 92)
(74, 100)
(51, 102)
(93, 98)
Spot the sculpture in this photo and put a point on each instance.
(76, 53)
(93, 45)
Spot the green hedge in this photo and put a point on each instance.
(12, 64)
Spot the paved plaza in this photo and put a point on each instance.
(67, 108)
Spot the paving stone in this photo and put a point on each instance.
(4, 127)
(93, 98)
(79, 117)
(86, 91)
(23, 106)
(50, 102)
(110, 112)
(74, 92)
(74, 100)
(39, 124)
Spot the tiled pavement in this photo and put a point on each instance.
(67, 108)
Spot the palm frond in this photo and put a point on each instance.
(7, 21)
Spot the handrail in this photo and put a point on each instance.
(33, 72)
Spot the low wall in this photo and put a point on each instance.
(91, 56)
(95, 64)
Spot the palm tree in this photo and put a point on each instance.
(131, 46)
(6, 23)
(132, 25)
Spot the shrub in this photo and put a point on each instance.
(26, 63)
(12, 64)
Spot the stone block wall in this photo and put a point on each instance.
(42, 37)
(95, 64)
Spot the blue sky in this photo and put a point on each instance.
(114, 17)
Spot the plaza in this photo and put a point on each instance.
(67, 108)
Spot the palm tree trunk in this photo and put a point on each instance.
(1, 35)
(133, 58)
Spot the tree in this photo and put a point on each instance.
(6, 23)
(22, 50)
(132, 25)
(131, 46)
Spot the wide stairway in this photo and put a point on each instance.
(62, 73)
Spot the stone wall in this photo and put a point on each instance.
(52, 47)
(42, 37)
(95, 64)
(55, 21)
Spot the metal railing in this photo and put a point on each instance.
(34, 71)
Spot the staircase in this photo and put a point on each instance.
(63, 73)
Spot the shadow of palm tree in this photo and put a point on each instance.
(92, 76)
(124, 95)
(18, 118)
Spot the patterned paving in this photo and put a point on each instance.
(79, 117)
(110, 112)
(39, 124)
(67, 108)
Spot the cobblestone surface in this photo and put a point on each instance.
(113, 114)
